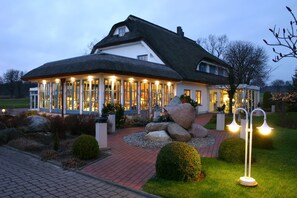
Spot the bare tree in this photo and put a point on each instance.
(278, 83)
(90, 46)
(216, 45)
(13, 79)
(248, 65)
(285, 38)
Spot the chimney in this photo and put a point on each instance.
(179, 31)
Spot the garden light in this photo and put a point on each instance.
(265, 129)
(247, 180)
(3, 111)
(233, 127)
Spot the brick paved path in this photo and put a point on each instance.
(132, 166)
(22, 175)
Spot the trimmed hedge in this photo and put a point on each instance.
(86, 147)
(232, 150)
(178, 161)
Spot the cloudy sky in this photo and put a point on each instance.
(33, 32)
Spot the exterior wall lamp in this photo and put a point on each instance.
(247, 180)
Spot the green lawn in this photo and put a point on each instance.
(14, 103)
(275, 171)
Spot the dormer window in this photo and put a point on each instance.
(202, 67)
(122, 31)
(212, 69)
(143, 57)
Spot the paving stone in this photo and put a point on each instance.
(25, 176)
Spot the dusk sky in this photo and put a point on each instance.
(34, 32)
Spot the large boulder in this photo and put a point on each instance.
(157, 136)
(198, 131)
(38, 123)
(178, 133)
(182, 114)
(156, 126)
(175, 101)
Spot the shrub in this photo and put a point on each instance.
(72, 163)
(136, 121)
(48, 155)
(85, 147)
(178, 161)
(9, 134)
(76, 124)
(188, 99)
(57, 126)
(267, 101)
(26, 144)
(119, 111)
(232, 150)
(119, 116)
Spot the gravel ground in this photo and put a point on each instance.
(136, 139)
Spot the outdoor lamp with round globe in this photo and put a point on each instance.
(247, 180)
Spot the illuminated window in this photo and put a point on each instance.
(90, 95)
(168, 93)
(144, 96)
(112, 91)
(198, 97)
(72, 95)
(130, 96)
(187, 92)
(56, 96)
(44, 95)
(156, 95)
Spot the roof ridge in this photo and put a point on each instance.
(153, 24)
(160, 27)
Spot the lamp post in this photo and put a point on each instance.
(247, 180)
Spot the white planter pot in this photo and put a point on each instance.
(111, 123)
(220, 121)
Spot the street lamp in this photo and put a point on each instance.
(247, 180)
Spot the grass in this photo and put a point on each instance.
(14, 103)
(275, 171)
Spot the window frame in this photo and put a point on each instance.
(198, 97)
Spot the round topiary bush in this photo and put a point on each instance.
(178, 161)
(232, 150)
(85, 147)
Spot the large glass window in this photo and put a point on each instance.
(156, 95)
(44, 95)
(56, 96)
(72, 95)
(198, 97)
(168, 93)
(130, 95)
(112, 91)
(90, 95)
(144, 96)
